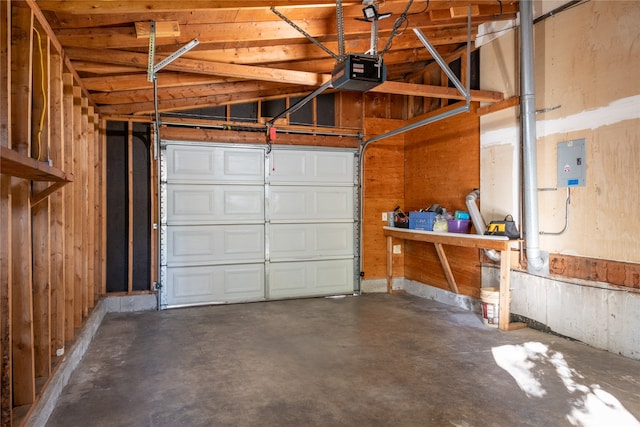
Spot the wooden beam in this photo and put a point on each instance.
(276, 75)
(196, 91)
(69, 203)
(430, 91)
(257, 26)
(410, 47)
(119, 57)
(498, 106)
(22, 290)
(6, 374)
(147, 108)
(88, 7)
(138, 81)
(70, 17)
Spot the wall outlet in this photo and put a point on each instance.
(384, 216)
(397, 249)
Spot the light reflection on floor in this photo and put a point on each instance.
(591, 406)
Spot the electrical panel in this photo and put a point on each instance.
(572, 163)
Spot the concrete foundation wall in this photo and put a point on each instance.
(592, 312)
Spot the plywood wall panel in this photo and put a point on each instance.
(443, 166)
(383, 190)
(584, 59)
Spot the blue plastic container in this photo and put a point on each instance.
(422, 220)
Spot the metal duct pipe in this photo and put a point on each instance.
(535, 262)
(478, 221)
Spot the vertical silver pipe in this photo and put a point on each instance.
(528, 114)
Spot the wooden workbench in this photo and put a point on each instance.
(498, 243)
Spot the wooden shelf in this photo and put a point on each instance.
(499, 243)
(15, 164)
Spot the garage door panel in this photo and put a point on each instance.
(209, 164)
(308, 241)
(234, 230)
(312, 167)
(201, 204)
(295, 203)
(198, 245)
(214, 284)
(310, 278)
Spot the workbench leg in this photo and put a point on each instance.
(446, 268)
(505, 289)
(389, 264)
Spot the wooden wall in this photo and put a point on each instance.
(51, 198)
(383, 190)
(442, 165)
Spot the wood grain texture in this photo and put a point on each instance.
(613, 272)
(6, 375)
(40, 214)
(383, 190)
(69, 203)
(57, 205)
(443, 166)
(78, 208)
(22, 273)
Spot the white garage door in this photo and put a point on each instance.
(239, 225)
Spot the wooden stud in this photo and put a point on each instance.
(505, 290)
(103, 209)
(90, 243)
(78, 214)
(130, 205)
(69, 203)
(57, 207)
(40, 212)
(84, 141)
(22, 296)
(6, 377)
(97, 218)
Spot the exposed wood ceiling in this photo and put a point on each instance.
(246, 52)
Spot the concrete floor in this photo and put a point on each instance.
(373, 360)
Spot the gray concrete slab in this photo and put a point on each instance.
(377, 360)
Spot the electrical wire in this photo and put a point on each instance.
(44, 93)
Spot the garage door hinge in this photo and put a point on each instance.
(157, 286)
